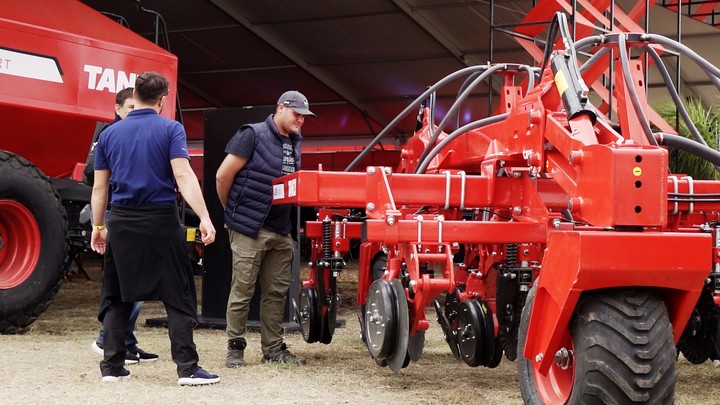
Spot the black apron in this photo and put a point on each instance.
(145, 259)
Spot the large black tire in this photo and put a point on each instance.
(623, 352)
(33, 231)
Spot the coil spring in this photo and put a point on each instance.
(511, 255)
(326, 239)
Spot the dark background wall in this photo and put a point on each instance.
(220, 126)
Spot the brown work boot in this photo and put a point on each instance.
(283, 356)
(236, 354)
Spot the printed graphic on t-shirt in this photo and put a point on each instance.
(288, 165)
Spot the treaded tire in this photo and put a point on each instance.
(25, 186)
(624, 350)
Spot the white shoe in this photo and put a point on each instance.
(124, 376)
(97, 349)
(129, 357)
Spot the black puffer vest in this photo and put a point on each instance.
(250, 195)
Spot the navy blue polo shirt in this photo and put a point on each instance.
(137, 151)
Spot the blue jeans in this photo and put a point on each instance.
(130, 340)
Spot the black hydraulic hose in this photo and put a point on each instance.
(661, 68)
(711, 70)
(599, 54)
(531, 72)
(419, 100)
(674, 94)
(625, 63)
(568, 40)
(456, 106)
(422, 166)
(550, 43)
(463, 86)
(589, 41)
(431, 118)
(690, 146)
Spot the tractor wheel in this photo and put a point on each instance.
(33, 231)
(621, 350)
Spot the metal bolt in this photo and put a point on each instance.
(517, 210)
(391, 219)
(371, 170)
(556, 223)
(388, 170)
(370, 206)
(563, 358)
(538, 357)
(517, 174)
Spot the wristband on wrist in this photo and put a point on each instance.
(99, 227)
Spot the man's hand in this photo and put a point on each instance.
(207, 232)
(98, 240)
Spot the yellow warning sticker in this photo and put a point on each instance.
(560, 82)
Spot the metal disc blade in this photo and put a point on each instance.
(470, 333)
(309, 314)
(380, 319)
(399, 357)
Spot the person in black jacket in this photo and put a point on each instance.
(259, 232)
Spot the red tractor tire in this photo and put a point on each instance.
(623, 352)
(33, 231)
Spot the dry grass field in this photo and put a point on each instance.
(52, 363)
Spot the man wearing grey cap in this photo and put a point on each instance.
(260, 232)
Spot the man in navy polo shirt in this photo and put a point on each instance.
(142, 158)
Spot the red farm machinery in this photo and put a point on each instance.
(61, 64)
(547, 232)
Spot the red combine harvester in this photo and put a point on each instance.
(548, 232)
(61, 64)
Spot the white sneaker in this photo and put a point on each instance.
(124, 376)
(97, 349)
(130, 358)
(201, 377)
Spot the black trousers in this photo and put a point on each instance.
(180, 329)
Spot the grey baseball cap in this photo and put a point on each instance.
(296, 101)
